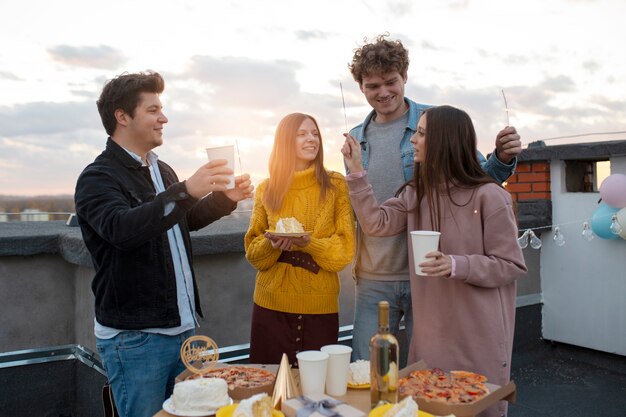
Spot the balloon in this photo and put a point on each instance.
(621, 219)
(601, 221)
(613, 190)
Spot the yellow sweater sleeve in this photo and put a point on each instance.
(335, 251)
(259, 251)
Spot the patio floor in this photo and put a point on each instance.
(561, 380)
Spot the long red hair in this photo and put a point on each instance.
(282, 163)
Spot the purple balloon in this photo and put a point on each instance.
(613, 190)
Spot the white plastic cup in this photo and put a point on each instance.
(224, 152)
(338, 369)
(423, 241)
(313, 365)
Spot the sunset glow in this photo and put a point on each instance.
(232, 74)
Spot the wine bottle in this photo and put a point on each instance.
(384, 354)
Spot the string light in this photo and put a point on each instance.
(587, 233)
(523, 240)
(529, 237)
(558, 237)
(535, 242)
(615, 227)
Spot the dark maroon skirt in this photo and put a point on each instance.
(274, 333)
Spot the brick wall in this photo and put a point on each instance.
(531, 181)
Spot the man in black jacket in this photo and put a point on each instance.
(135, 217)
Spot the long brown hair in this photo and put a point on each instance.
(450, 159)
(282, 163)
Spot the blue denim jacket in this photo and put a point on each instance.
(494, 167)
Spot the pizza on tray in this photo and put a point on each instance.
(455, 387)
(241, 376)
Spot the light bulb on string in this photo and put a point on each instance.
(558, 237)
(587, 232)
(523, 240)
(615, 227)
(535, 242)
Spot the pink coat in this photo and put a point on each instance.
(465, 322)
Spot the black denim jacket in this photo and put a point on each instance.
(124, 228)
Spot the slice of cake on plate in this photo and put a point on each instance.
(289, 225)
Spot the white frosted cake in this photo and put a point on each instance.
(289, 225)
(259, 405)
(405, 408)
(202, 394)
(359, 372)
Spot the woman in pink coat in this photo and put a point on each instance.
(464, 304)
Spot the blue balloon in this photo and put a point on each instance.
(601, 221)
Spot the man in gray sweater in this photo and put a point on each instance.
(381, 266)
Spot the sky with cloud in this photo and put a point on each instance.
(234, 69)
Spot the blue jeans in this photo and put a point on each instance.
(368, 294)
(141, 368)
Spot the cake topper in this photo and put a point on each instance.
(199, 354)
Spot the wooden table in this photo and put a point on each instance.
(358, 398)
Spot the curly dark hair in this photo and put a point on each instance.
(122, 92)
(378, 58)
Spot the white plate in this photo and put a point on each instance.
(275, 233)
(169, 407)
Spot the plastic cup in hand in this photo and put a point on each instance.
(338, 369)
(423, 241)
(224, 152)
(312, 364)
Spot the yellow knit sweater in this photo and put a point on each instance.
(283, 287)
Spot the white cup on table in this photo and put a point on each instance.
(313, 365)
(338, 369)
(423, 241)
(224, 152)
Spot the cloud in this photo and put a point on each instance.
(46, 164)
(591, 66)
(4, 75)
(558, 84)
(246, 83)
(306, 35)
(537, 110)
(397, 8)
(429, 46)
(101, 57)
(608, 104)
(400, 7)
(458, 4)
(43, 118)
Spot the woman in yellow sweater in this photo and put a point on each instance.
(297, 287)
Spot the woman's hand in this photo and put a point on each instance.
(301, 241)
(351, 151)
(437, 265)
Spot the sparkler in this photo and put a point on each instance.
(238, 156)
(506, 109)
(345, 117)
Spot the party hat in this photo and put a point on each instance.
(285, 386)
